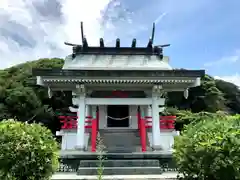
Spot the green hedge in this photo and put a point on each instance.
(209, 149)
(27, 151)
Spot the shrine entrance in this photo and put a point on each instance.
(118, 116)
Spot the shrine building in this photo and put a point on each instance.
(119, 93)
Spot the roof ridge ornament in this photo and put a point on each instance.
(149, 50)
(153, 32)
(82, 33)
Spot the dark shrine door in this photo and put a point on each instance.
(117, 116)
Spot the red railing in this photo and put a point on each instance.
(166, 123)
(70, 122)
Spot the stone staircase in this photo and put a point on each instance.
(121, 141)
(122, 156)
(120, 146)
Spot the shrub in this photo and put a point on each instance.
(209, 149)
(185, 117)
(27, 151)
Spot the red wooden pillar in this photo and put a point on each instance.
(143, 135)
(94, 135)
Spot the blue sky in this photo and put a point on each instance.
(203, 34)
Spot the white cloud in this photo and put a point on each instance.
(35, 29)
(235, 79)
(231, 60)
(225, 60)
(32, 29)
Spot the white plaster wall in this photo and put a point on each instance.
(69, 139)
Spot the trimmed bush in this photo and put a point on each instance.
(209, 149)
(27, 151)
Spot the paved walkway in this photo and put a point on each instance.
(73, 176)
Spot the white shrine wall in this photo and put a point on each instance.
(69, 138)
(166, 138)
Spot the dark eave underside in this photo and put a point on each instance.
(118, 73)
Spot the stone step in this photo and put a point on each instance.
(118, 130)
(120, 170)
(122, 150)
(73, 176)
(125, 150)
(79, 155)
(121, 163)
(123, 141)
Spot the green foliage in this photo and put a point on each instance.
(101, 158)
(20, 98)
(206, 97)
(214, 98)
(185, 117)
(27, 151)
(209, 149)
(231, 94)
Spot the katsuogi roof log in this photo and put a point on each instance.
(149, 49)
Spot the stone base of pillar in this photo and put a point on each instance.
(79, 148)
(157, 148)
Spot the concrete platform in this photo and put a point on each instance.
(133, 155)
(72, 176)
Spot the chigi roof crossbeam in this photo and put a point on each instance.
(150, 49)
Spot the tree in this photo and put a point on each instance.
(209, 149)
(20, 97)
(231, 94)
(27, 151)
(206, 97)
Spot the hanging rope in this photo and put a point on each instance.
(118, 119)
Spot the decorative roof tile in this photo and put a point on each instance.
(115, 81)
